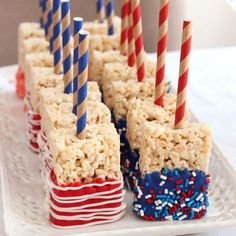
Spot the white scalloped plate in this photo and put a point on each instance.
(23, 196)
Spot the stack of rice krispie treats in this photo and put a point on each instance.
(83, 178)
(31, 39)
(170, 178)
(89, 189)
(37, 63)
(117, 78)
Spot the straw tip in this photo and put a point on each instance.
(84, 32)
(187, 22)
(78, 19)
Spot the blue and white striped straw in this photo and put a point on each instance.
(66, 34)
(82, 84)
(109, 16)
(78, 24)
(57, 39)
(49, 24)
(100, 11)
(45, 17)
(41, 13)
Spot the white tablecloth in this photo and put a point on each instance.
(212, 98)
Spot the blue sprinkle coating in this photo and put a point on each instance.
(162, 196)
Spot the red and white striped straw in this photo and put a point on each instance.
(183, 74)
(124, 28)
(161, 52)
(131, 47)
(138, 35)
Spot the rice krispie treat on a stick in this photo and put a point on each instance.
(27, 30)
(174, 160)
(42, 78)
(58, 115)
(98, 28)
(141, 111)
(41, 59)
(174, 172)
(100, 59)
(32, 45)
(86, 176)
(85, 181)
(120, 72)
(101, 43)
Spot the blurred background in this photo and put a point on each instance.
(213, 22)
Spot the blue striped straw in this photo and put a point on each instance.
(82, 84)
(109, 16)
(57, 40)
(41, 13)
(78, 24)
(66, 34)
(100, 11)
(44, 8)
(49, 25)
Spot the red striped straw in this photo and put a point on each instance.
(161, 52)
(131, 47)
(124, 28)
(138, 35)
(183, 74)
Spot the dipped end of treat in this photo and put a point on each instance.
(171, 195)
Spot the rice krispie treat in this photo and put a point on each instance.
(85, 182)
(174, 172)
(32, 45)
(96, 27)
(28, 45)
(40, 59)
(120, 89)
(100, 59)
(101, 43)
(120, 72)
(123, 93)
(42, 78)
(58, 115)
(26, 31)
(141, 111)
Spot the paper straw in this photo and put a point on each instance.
(45, 17)
(100, 11)
(57, 39)
(78, 24)
(82, 84)
(109, 16)
(131, 46)
(66, 47)
(124, 28)
(183, 74)
(138, 35)
(50, 24)
(41, 13)
(161, 52)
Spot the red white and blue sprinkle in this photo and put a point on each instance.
(176, 199)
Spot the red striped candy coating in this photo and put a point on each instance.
(124, 28)
(161, 52)
(183, 74)
(131, 47)
(138, 35)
